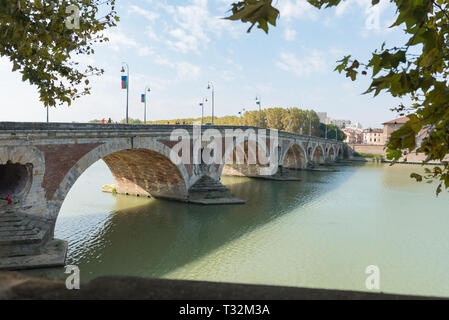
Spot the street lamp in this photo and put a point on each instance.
(289, 120)
(202, 110)
(48, 117)
(124, 64)
(259, 102)
(210, 86)
(147, 89)
(241, 116)
(310, 125)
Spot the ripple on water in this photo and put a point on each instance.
(320, 232)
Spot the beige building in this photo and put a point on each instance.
(353, 136)
(374, 137)
(380, 137)
(393, 125)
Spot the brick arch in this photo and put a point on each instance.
(294, 157)
(318, 155)
(139, 169)
(229, 164)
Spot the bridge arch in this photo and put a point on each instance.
(318, 155)
(294, 157)
(22, 171)
(142, 169)
(250, 150)
(331, 154)
(339, 153)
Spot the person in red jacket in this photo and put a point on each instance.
(8, 198)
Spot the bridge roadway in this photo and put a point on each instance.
(40, 162)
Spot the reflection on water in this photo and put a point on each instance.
(321, 232)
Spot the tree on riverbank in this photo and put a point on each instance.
(417, 69)
(41, 38)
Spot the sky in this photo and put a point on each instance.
(177, 47)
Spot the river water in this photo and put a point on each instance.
(321, 232)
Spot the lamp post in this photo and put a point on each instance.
(202, 110)
(289, 120)
(210, 86)
(147, 89)
(259, 102)
(310, 125)
(241, 116)
(48, 114)
(124, 64)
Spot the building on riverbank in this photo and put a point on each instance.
(353, 135)
(374, 136)
(391, 126)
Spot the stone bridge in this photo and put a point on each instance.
(39, 163)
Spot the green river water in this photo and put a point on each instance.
(321, 232)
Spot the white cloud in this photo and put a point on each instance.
(371, 13)
(118, 39)
(149, 15)
(152, 34)
(194, 26)
(297, 9)
(301, 67)
(186, 70)
(145, 51)
(290, 34)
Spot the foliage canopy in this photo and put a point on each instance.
(35, 36)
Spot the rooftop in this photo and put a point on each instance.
(398, 121)
(374, 130)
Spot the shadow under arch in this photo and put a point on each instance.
(295, 157)
(244, 158)
(340, 153)
(318, 155)
(331, 154)
(144, 170)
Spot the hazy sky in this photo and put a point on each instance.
(176, 47)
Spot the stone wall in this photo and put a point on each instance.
(17, 286)
(368, 148)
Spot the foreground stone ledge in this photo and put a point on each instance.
(53, 254)
(16, 286)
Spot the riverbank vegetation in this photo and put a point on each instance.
(368, 155)
(293, 120)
